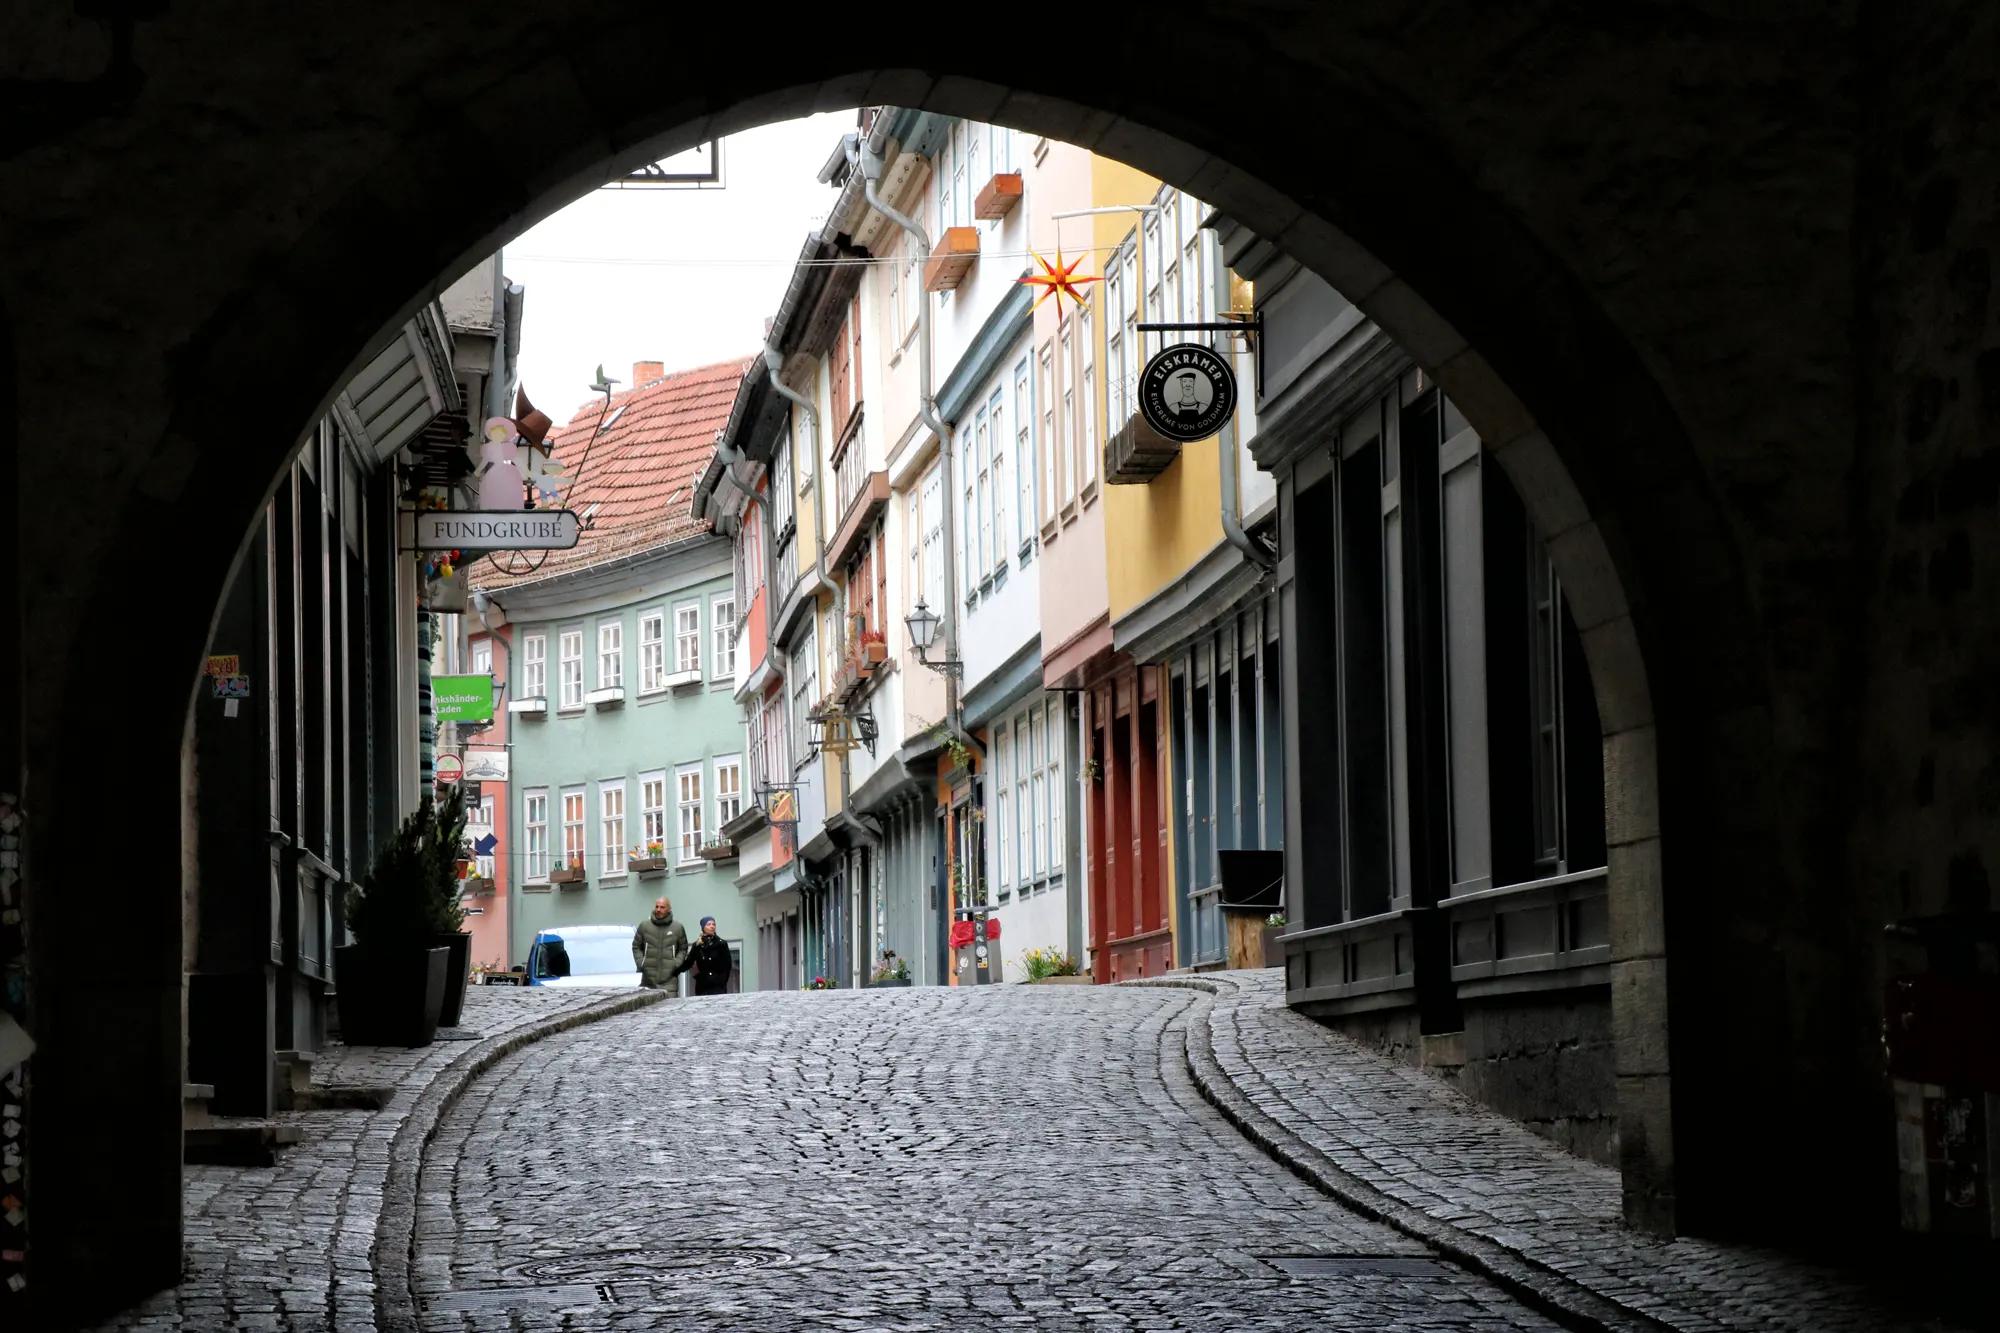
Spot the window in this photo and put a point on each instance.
(572, 668)
(535, 667)
(1058, 794)
(611, 825)
(535, 834)
(1155, 313)
(1048, 433)
(1086, 380)
(1023, 807)
(653, 809)
(610, 654)
(481, 821)
(750, 554)
(1066, 444)
(687, 798)
(781, 495)
(968, 522)
(771, 730)
(652, 651)
(687, 637)
(572, 828)
(805, 448)
(482, 658)
(1003, 800)
(996, 421)
(722, 616)
(933, 573)
(728, 790)
(1037, 789)
(913, 524)
(805, 692)
(1024, 452)
(982, 461)
(1128, 314)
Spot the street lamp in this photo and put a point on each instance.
(923, 625)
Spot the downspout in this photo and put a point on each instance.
(774, 361)
(1232, 508)
(731, 456)
(871, 164)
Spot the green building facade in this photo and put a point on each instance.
(625, 735)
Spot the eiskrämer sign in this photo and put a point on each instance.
(497, 530)
(1186, 392)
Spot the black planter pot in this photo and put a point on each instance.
(389, 997)
(457, 976)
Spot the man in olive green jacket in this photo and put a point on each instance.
(659, 947)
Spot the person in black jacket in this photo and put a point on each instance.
(709, 961)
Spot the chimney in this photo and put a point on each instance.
(646, 372)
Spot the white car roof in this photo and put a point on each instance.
(582, 932)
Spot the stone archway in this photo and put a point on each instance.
(469, 139)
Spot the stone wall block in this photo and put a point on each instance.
(1646, 1152)
(1618, 676)
(1639, 1016)
(1547, 490)
(1426, 335)
(974, 99)
(1590, 580)
(1638, 901)
(1472, 383)
(1342, 261)
(1631, 786)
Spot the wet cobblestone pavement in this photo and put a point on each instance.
(1022, 1157)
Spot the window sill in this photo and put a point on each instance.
(537, 886)
(618, 875)
(573, 710)
(690, 867)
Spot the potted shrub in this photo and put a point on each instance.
(1053, 967)
(447, 910)
(819, 983)
(891, 971)
(653, 856)
(1274, 952)
(390, 982)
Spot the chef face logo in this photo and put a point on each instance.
(1186, 392)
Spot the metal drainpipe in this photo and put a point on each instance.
(731, 456)
(1232, 507)
(775, 361)
(871, 167)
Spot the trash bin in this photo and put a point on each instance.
(1941, 1036)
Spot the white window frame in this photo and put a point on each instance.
(575, 849)
(652, 650)
(611, 825)
(1045, 429)
(1052, 760)
(570, 654)
(1003, 801)
(982, 461)
(653, 809)
(687, 641)
(1024, 450)
(535, 836)
(1037, 791)
(931, 489)
(688, 808)
(1024, 824)
(535, 666)
(611, 654)
(728, 790)
(996, 439)
(482, 658)
(722, 623)
(804, 677)
(480, 818)
(1066, 427)
(1086, 432)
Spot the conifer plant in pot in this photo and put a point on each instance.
(447, 910)
(391, 980)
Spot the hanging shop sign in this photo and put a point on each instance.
(497, 530)
(485, 765)
(1187, 392)
(450, 768)
(462, 698)
(220, 664)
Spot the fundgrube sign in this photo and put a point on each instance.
(497, 530)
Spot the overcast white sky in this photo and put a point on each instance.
(711, 265)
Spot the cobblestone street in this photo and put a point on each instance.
(905, 1159)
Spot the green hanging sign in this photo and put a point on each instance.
(462, 698)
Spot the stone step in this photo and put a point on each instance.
(194, 1105)
(228, 1141)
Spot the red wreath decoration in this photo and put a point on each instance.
(992, 927)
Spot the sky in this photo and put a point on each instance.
(682, 276)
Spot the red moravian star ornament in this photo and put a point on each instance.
(1057, 280)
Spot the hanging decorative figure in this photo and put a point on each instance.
(500, 481)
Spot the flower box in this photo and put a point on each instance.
(719, 851)
(874, 651)
(644, 865)
(566, 875)
(478, 886)
(951, 259)
(1083, 979)
(997, 198)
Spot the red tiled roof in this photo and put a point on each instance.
(640, 472)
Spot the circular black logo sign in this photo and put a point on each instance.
(1186, 392)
